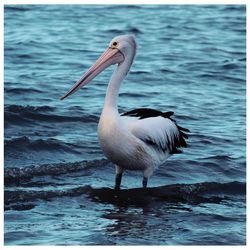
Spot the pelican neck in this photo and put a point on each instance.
(111, 98)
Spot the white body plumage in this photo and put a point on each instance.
(123, 141)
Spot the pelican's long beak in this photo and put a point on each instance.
(109, 57)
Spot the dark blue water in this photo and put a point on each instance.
(58, 184)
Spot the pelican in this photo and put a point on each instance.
(141, 139)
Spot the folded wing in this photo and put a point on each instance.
(157, 129)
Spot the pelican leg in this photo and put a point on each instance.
(144, 182)
(146, 174)
(118, 177)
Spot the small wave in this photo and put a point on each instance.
(211, 138)
(133, 95)
(207, 192)
(20, 109)
(18, 199)
(24, 56)
(134, 30)
(234, 79)
(222, 77)
(139, 72)
(16, 114)
(207, 75)
(17, 175)
(244, 59)
(17, 8)
(22, 91)
(50, 144)
(240, 8)
(125, 7)
(223, 158)
(167, 70)
(114, 31)
(187, 117)
(229, 64)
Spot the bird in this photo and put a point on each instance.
(141, 139)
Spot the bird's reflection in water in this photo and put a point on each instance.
(143, 223)
(152, 216)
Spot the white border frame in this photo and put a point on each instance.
(156, 2)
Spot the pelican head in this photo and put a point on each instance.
(120, 49)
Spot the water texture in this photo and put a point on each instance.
(191, 59)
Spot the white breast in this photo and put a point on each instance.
(120, 146)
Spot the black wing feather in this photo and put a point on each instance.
(179, 142)
(143, 113)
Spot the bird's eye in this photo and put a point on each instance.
(114, 44)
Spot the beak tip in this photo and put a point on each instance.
(61, 98)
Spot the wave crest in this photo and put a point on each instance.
(17, 114)
(207, 192)
(16, 175)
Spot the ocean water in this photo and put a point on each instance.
(191, 59)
